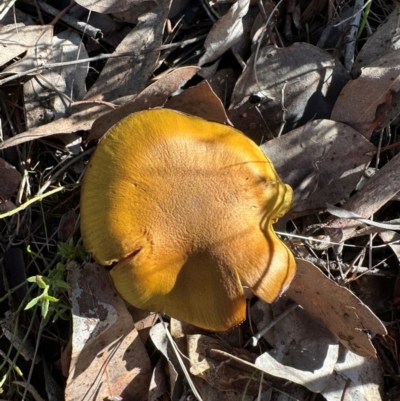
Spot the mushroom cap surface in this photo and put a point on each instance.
(185, 208)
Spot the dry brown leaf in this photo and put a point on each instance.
(108, 6)
(200, 101)
(287, 88)
(10, 179)
(80, 121)
(336, 307)
(379, 189)
(384, 40)
(373, 100)
(108, 358)
(155, 95)
(222, 83)
(322, 161)
(18, 38)
(314, 7)
(125, 77)
(225, 32)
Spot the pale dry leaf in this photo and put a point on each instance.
(314, 380)
(154, 95)
(226, 32)
(220, 372)
(109, 6)
(285, 88)
(158, 383)
(322, 161)
(372, 100)
(37, 53)
(393, 240)
(336, 307)
(146, 33)
(44, 99)
(358, 377)
(10, 179)
(259, 25)
(133, 13)
(378, 190)
(384, 40)
(304, 351)
(210, 393)
(16, 39)
(108, 358)
(200, 101)
(233, 371)
(128, 76)
(160, 340)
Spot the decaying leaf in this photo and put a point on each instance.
(379, 189)
(225, 32)
(48, 96)
(200, 101)
(304, 351)
(37, 52)
(9, 180)
(371, 101)
(358, 377)
(393, 240)
(155, 95)
(117, 83)
(220, 372)
(18, 38)
(109, 6)
(108, 358)
(285, 88)
(336, 307)
(160, 340)
(124, 78)
(322, 161)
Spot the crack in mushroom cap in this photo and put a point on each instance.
(185, 207)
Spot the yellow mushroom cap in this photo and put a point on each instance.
(185, 207)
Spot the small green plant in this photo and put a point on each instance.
(70, 251)
(50, 306)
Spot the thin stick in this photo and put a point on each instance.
(30, 202)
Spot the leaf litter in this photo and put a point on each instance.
(320, 127)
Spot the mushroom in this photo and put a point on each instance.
(185, 208)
